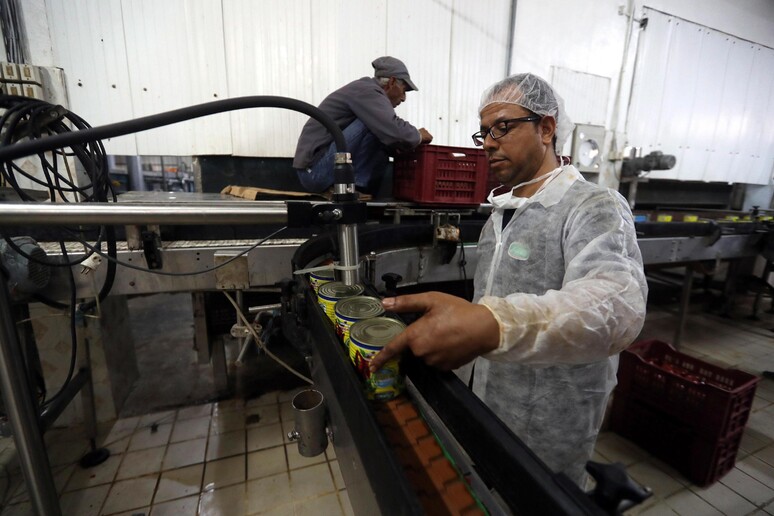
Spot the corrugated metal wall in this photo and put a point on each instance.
(129, 58)
(706, 97)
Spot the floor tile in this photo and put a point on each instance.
(660, 508)
(650, 475)
(184, 454)
(763, 423)
(757, 469)
(157, 418)
(330, 451)
(194, 412)
(232, 405)
(312, 481)
(753, 490)
(225, 445)
(266, 493)
(338, 480)
(327, 504)
(286, 412)
(100, 474)
(262, 415)
(142, 462)
(296, 460)
(140, 511)
(752, 442)
(227, 501)
(179, 483)
(689, 503)
(262, 437)
(188, 429)
(130, 494)
(766, 454)
(227, 422)
(224, 472)
(144, 437)
(181, 507)
(85, 502)
(264, 463)
(724, 499)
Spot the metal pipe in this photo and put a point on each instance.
(111, 213)
(348, 253)
(23, 415)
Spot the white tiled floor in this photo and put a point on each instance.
(233, 458)
(227, 458)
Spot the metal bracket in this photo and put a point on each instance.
(445, 227)
(233, 276)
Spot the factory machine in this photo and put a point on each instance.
(476, 464)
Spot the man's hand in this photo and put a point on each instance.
(451, 332)
(426, 136)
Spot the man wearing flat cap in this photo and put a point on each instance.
(365, 111)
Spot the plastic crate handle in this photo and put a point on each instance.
(458, 155)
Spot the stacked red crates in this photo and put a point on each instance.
(437, 174)
(687, 412)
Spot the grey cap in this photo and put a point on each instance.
(387, 66)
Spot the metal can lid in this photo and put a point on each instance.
(339, 290)
(376, 332)
(359, 307)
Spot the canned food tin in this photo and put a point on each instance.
(334, 291)
(366, 339)
(318, 278)
(353, 309)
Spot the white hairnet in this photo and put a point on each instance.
(535, 94)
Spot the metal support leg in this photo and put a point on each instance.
(201, 335)
(685, 300)
(219, 366)
(764, 285)
(23, 415)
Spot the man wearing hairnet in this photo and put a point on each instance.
(559, 288)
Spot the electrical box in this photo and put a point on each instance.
(587, 144)
(21, 79)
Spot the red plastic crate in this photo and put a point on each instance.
(702, 460)
(710, 400)
(436, 174)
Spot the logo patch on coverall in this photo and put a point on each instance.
(518, 251)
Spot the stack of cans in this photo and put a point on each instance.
(364, 331)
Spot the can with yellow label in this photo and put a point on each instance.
(353, 309)
(317, 278)
(330, 293)
(366, 339)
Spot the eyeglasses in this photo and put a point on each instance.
(501, 128)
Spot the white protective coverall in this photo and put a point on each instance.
(565, 281)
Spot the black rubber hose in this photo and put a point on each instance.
(18, 150)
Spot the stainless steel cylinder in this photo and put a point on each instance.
(310, 421)
(348, 254)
